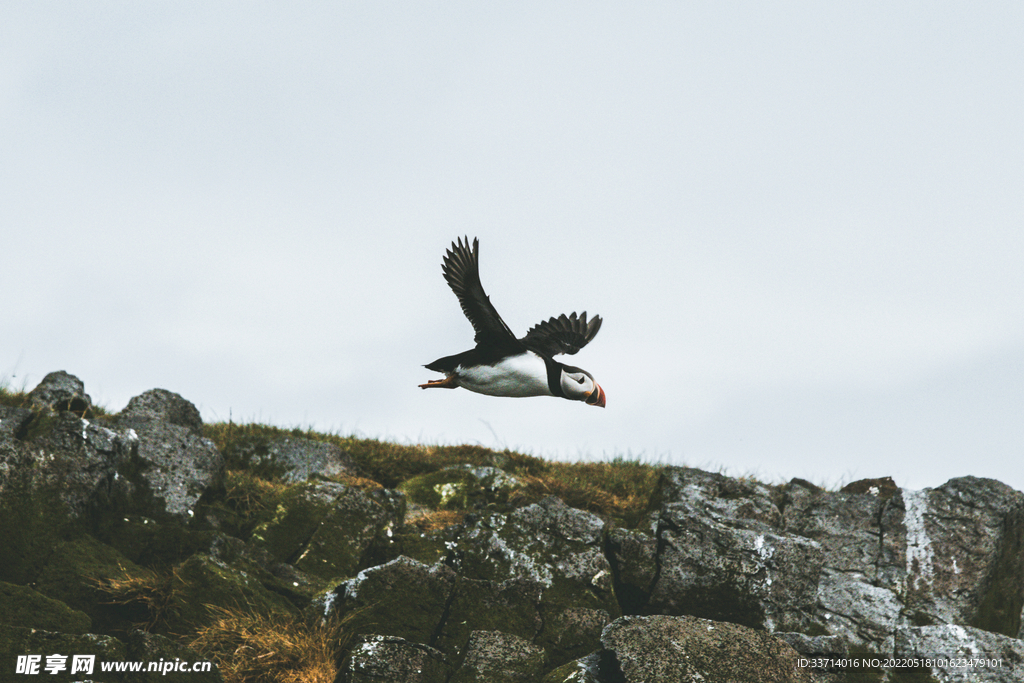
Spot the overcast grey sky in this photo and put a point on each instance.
(803, 223)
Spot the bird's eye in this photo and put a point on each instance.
(580, 380)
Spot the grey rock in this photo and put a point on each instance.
(496, 657)
(557, 547)
(689, 649)
(718, 497)
(76, 458)
(387, 659)
(965, 554)
(13, 422)
(977, 655)
(713, 567)
(61, 391)
(542, 542)
(176, 468)
(859, 532)
(163, 406)
(299, 459)
(861, 613)
(62, 479)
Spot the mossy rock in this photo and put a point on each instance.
(202, 581)
(71, 577)
(328, 529)
(35, 518)
(405, 598)
(283, 579)
(18, 641)
(23, 606)
(147, 542)
(427, 547)
(298, 512)
(512, 607)
(465, 487)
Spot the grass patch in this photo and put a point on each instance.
(618, 490)
(249, 495)
(149, 589)
(15, 398)
(254, 648)
(437, 520)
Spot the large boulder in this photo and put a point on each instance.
(327, 529)
(409, 596)
(163, 406)
(558, 548)
(175, 466)
(722, 557)
(59, 473)
(858, 528)
(965, 554)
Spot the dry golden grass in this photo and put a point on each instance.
(153, 590)
(357, 482)
(618, 489)
(437, 519)
(253, 648)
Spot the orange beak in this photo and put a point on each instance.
(596, 397)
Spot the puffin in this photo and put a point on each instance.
(501, 364)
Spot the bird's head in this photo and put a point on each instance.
(579, 385)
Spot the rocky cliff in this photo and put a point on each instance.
(127, 536)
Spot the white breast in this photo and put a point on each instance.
(524, 375)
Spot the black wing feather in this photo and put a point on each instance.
(462, 273)
(564, 334)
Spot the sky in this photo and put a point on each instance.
(802, 222)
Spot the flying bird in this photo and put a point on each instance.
(502, 365)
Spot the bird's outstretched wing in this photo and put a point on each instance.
(462, 273)
(564, 334)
